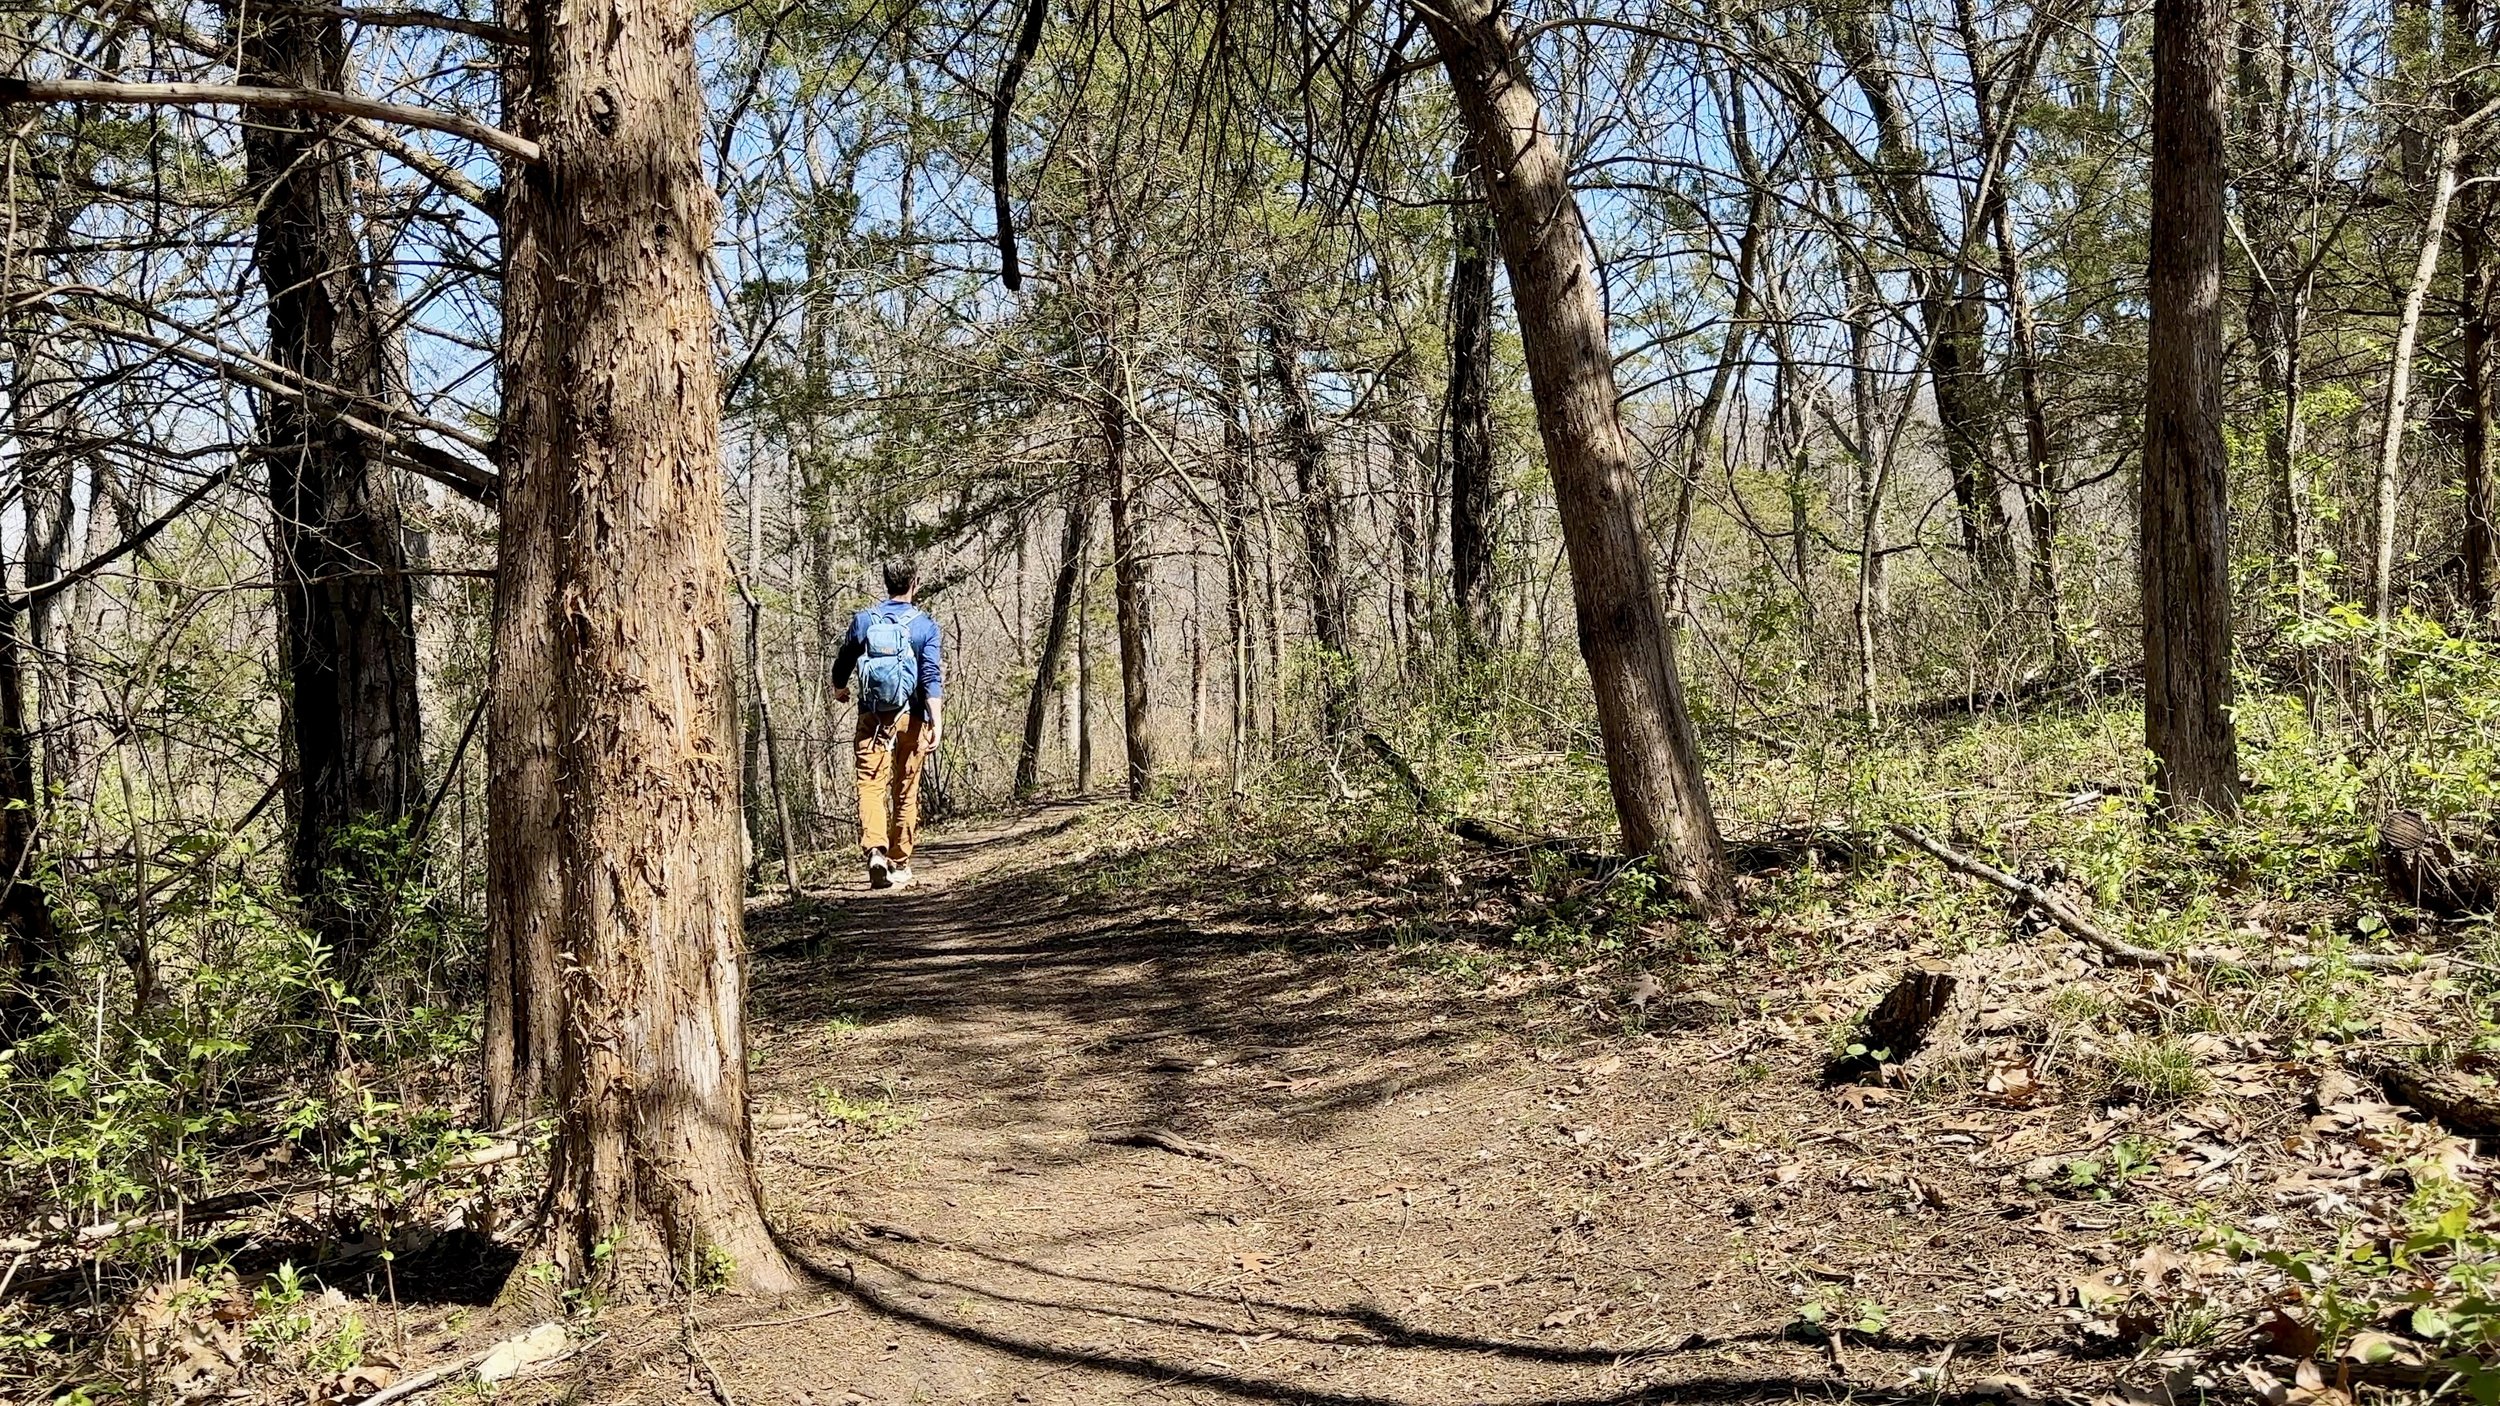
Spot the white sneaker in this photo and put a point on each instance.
(880, 873)
(899, 877)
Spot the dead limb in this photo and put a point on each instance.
(1168, 1142)
(1492, 834)
(2119, 949)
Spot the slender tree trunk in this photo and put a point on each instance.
(1874, 453)
(1652, 762)
(1473, 493)
(1233, 484)
(1332, 613)
(1054, 641)
(525, 874)
(652, 1187)
(2400, 378)
(2479, 417)
(348, 638)
(766, 739)
(29, 940)
(1081, 705)
(1952, 309)
(1128, 578)
(2184, 549)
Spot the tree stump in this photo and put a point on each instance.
(2435, 868)
(1896, 1028)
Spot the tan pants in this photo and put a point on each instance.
(889, 782)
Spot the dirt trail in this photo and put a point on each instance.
(1048, 1144)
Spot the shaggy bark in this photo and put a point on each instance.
(651, 1182)
(524, 885)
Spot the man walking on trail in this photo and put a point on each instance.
(894, 646)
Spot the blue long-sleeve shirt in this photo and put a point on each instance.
(923, 632)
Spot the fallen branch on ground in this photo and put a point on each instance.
(1168, 1142)
(1493, 834)
(2119, 949)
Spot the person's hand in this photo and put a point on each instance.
(929, 738)
(841, 695)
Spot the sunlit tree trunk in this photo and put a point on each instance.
(2184, 547)
(347, 636)
(651, 1184)
(1652, 762)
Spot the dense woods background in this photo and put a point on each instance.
(1282, 450)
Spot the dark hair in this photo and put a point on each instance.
(901, 574)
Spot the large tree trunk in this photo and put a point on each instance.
(348, 638)
(2184, 549)
(525, 874)
(651, 1182)
(1332, 612)
(1472, 489)
(1054, 642)
(1652, 762)
(1128, 577)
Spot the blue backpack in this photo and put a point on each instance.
(889, 668)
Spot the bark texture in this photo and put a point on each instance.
(2184, 545)
(1470, 412)
(348, 638)
(29, 940)
(652, 1186)
(1652, 763)
(525, 886)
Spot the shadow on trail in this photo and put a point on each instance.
(1162, 1006)
(906, 1300)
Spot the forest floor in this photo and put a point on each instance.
(1093, 1115)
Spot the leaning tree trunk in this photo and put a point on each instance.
(1054, 642)
(347, 637)
(1652, 762)
(1332, 614)
(525, 876)
(1472, 490)
(652, 1185)
(2185, 550)
(1128, 576)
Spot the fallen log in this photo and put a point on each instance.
(2443, 1096)
(2120, 950)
